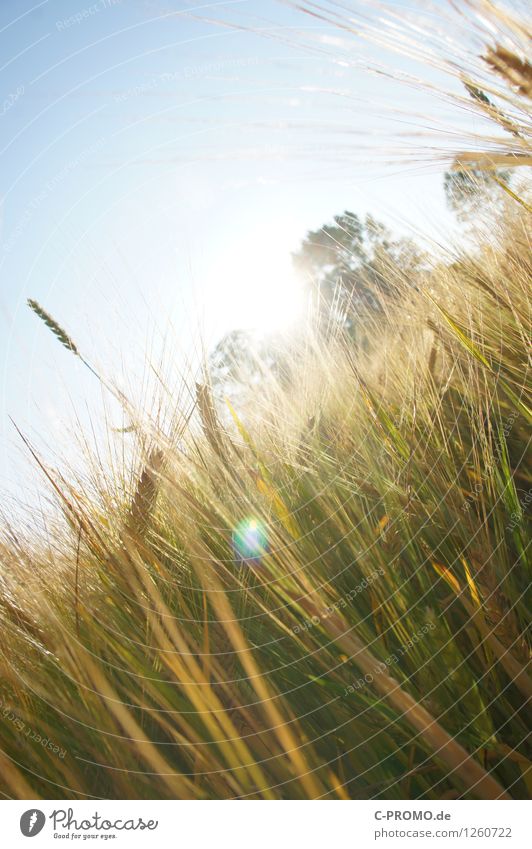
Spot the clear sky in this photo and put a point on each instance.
(157, 169)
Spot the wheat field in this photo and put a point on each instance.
(321, 593)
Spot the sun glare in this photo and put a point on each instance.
(255, 290)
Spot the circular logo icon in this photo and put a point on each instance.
(32, 822)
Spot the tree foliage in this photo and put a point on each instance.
(471, 190)
(349, 267)
(241, 360)
(351, 264)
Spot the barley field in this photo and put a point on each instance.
(315, 588)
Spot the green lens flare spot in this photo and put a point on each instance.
(250, 540)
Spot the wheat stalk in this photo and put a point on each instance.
(516, 71)
(146, 493)
(209, 419)
(56, 328)
(60, 334)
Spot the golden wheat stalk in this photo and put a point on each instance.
(209, 419)
(146, 493)
(445, 748)
(516, 71)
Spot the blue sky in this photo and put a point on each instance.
(157, 169)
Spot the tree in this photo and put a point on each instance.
(471, 190)
(241, 360)
(351, 264)
(235, 355)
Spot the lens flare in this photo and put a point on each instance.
(250, 540)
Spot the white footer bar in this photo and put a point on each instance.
(266, 825)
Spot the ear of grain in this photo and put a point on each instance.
(209, 419)
(52, 324)
(514, 69)
(146, 493)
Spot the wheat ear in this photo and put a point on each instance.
(61, 334)
(515, 70)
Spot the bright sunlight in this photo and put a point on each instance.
(256, 288)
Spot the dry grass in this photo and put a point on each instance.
(376, 644)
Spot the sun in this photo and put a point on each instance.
(255, 289)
